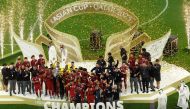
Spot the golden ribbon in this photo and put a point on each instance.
(123, 38)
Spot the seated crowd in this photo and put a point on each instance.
(103, 84)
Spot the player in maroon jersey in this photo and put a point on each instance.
(72, 91)
(41, 62)
(49, 81)
(33, 61)
(26, 63)
(82, 91)
(131, 61)
(140, 59)
(37, 85)
(18, 63)
(90, 94)
(123, 70)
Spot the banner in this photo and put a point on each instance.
(99, 105)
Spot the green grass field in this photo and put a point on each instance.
(82, 25)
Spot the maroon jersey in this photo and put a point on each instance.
(36, 81)
(48, 79)
(26, 64)
(40, 63)
(90, 95)
(72, 90)
(123, 68)
(131, 62)
(33, 62)
(18, 65)
(81, 90)
(48, 74)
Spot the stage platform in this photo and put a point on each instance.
(171, 75)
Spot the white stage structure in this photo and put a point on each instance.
(28, 49)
